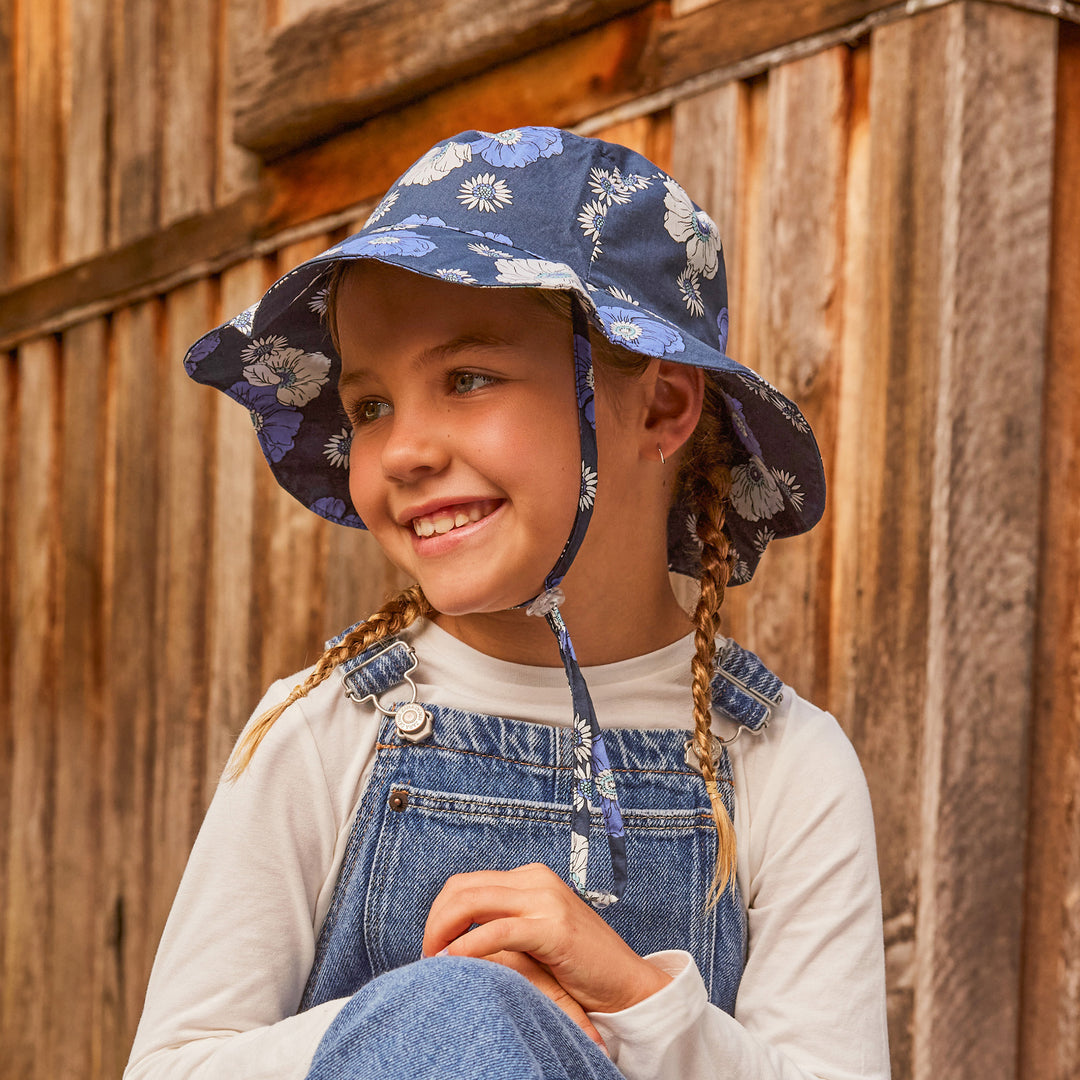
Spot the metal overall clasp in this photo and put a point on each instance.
(413, 722)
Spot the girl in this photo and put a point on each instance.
(427, 858)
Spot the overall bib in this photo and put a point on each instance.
(490, 793)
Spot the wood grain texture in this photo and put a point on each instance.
(996, 168)
(134, 195)
(37, 127)
(8, 155)
(133, 488)
(28, 904)
(8, 443)
(1050, 1028)
(76, 958)
(344, 63)
(188, 63)
(244, 24)
(85, 70)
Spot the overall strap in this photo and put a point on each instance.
(743, 688)
(379, 668)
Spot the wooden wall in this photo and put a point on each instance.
(897, 190)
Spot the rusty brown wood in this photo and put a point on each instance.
(1050, 1032)
(9, 269)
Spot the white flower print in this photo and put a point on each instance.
(317, 303)
(691, 529)
(591, 219)
(689, 287)
(790, 487)
(691, 227)
(760, 387)
(437, 163)
(295, 375)
(462, 277)
(588, 487)
(484, 192)
(755, 493)
(490, 252)
(762, 539)
(337, 448)
(243, 322)
(609, 186)
(548, 275)
(264, 349)
(635, 181)
(790, 411)
(605, 784)
(581, 740)
(739, 571)
(579, 860)
(383, 208)
(623, 295)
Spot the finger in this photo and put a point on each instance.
(551, 988)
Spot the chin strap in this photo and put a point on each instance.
(593, 777)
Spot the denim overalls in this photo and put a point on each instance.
(489, 793)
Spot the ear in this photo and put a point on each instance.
(676, 392)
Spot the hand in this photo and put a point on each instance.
(531, 910)
(550, 987)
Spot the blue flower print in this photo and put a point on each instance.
(638, 332)
(742, 428)
(245, 320)
(516, 147)
(201, 350)
(334, 510)
(496, 236)
(392, 243)
(722, 329)
(413, 220)
(276, 424)
(483, 192)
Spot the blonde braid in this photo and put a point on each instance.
(704, 483)
(394, 616)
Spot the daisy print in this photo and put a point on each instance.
(483, 192)
(591, 219)
(609, 186)
(337, 448)
(296, 376)
(588, 487)
(245, 320)
(380, 211)
(762, 539)
(755, 493)
(264, 349)
(791, 488)
(462, 277)
(317, 303)
(622, 294)
(490, 252)
(689, 288)
(691, 227)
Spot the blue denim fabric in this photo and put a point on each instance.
(406, 1026)
(490, 793)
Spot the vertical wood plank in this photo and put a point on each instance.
(232, 639)
(1050, 1028)
(245, 23)
(996, 167)
(8, 158)
(189, 124)
(8, 443)
(132, 651)
(28, 905)
(85, 94)
(180, 625)
(133, 107)
(289, 603)
(38, 122)
(75, 963)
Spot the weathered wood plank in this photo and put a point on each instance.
(245, 24)
(76, 960)
(134, 153)
(133, 662)
(8, 263)
(29, 898)
(341, 64)
(8, 445)
(1050, 1027)
(188, 63)
(38, 118)
(232, 637)
(180, 623)
(86, 99)
(995, 165)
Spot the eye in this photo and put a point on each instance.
(464, 382)
(366, 412)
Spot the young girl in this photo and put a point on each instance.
(428, 856)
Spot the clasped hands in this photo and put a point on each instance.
(528, 919)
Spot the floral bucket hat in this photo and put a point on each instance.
(534, 207)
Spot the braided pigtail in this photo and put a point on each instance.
(394, 616)
(705, 482)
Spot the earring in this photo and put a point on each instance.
(663, 460)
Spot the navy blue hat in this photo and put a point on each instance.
(531, 207)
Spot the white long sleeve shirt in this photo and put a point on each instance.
(240, 939)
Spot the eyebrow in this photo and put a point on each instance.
(461, 343)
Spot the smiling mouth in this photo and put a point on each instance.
(449, 518)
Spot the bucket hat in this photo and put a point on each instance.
(535, 207)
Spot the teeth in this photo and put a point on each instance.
(441, 525)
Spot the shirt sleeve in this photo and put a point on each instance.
(811, 1003)
(239, 941)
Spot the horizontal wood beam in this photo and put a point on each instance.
(641, 61)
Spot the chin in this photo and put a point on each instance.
(459, 600)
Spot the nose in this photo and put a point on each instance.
(416, 445)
